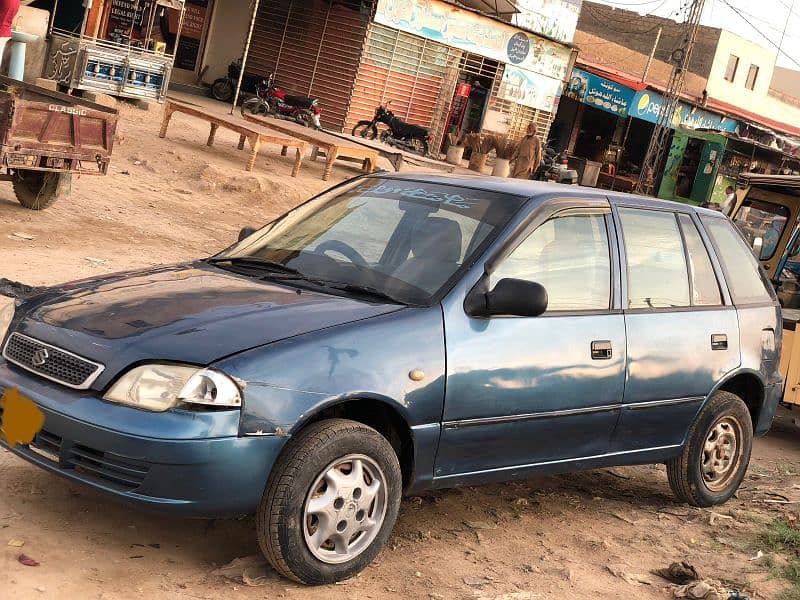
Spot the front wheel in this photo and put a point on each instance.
(366, 130)
(37, 190)
(421, 146)
(254, 106)
(331, 502)
(717, 453)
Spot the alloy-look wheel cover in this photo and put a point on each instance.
(345, 509)
(722, 453)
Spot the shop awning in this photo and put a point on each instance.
(613, 75)
(746, 115)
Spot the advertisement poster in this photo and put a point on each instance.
(646, 105)
(599, 92)
(557, 19)
(129, 19)
(529, 89)
(446, 24)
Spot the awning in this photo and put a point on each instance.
(614, 75)
(787, 181)
(746, 115)
(495, 7)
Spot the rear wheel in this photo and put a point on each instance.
(331, 502)
(717, 453)
(421, 147)
(37, 190)
(222, 90)
(366, 130)
(254, 106)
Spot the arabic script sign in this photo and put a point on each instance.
(647, 105)
(529, 89)
(556, 19)
(452, 26)
(599, 92)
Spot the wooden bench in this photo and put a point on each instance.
(321, 142)
(246, 134)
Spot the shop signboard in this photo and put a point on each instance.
(600, 92)
(529, 89)
(452, 26)
(557, 19)
(647, 105)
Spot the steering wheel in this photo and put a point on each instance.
(344, 249)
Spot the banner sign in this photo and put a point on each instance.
(557, 19)
(529, 89)
(600, 92)
(647, 105)
(452, 26)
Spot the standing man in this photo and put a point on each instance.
(528, 155)
(8, 12)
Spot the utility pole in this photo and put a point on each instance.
(659, 143)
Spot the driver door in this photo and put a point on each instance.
(527, 392)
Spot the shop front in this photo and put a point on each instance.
(448, 68)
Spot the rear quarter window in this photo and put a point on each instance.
(745, 280)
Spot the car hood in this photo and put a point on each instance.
(194, 314)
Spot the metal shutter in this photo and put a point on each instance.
(314, 48)
(406, 69)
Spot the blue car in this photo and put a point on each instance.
(401, 333)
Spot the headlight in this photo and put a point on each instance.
(7, 306)
(161, 387)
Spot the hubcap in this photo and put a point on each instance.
(344, 509)
(721, 454)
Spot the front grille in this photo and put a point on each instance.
(50, 362)
(120, 471)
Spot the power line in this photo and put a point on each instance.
(761, 33)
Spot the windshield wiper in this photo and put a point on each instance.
(363, 290)
(258, 263)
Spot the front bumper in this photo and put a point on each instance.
(192, 464)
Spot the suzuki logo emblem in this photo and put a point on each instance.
(40, 357)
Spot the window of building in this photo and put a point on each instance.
(658, 276)
(570, 257)
(752, 76)
(733, 66)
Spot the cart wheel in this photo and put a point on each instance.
(37, 190)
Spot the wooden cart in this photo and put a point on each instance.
(46, 137)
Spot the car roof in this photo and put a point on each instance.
(540, 189)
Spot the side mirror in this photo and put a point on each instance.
(246, 232)
(758, 246)
(510, 297)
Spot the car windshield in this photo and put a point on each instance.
(397, 239)
(759, 218)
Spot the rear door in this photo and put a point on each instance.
(682, 330)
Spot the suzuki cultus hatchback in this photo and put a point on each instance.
(398, 334)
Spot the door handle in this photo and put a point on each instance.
(601, 350)
(719, 341)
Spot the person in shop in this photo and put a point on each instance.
(528, 155)
(8, 12)
(730, 200)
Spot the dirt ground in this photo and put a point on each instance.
(593, 535)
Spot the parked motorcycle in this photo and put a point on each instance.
(224, 88)
(400, 134)
(555, 167)
(269, 99)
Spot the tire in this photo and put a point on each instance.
(37, 190)
(422, 147)
(253, 106)
(285, 526)
(366, 130)
(721, 435)
(222, 90)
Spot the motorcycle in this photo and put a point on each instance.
(271, 100)
(400, 134)
(555, 167)
(224, 88)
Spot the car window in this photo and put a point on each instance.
(705, 288)
(745, 281)
(570, 257)
(757, 218)
(404, 238)
(657, 273)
